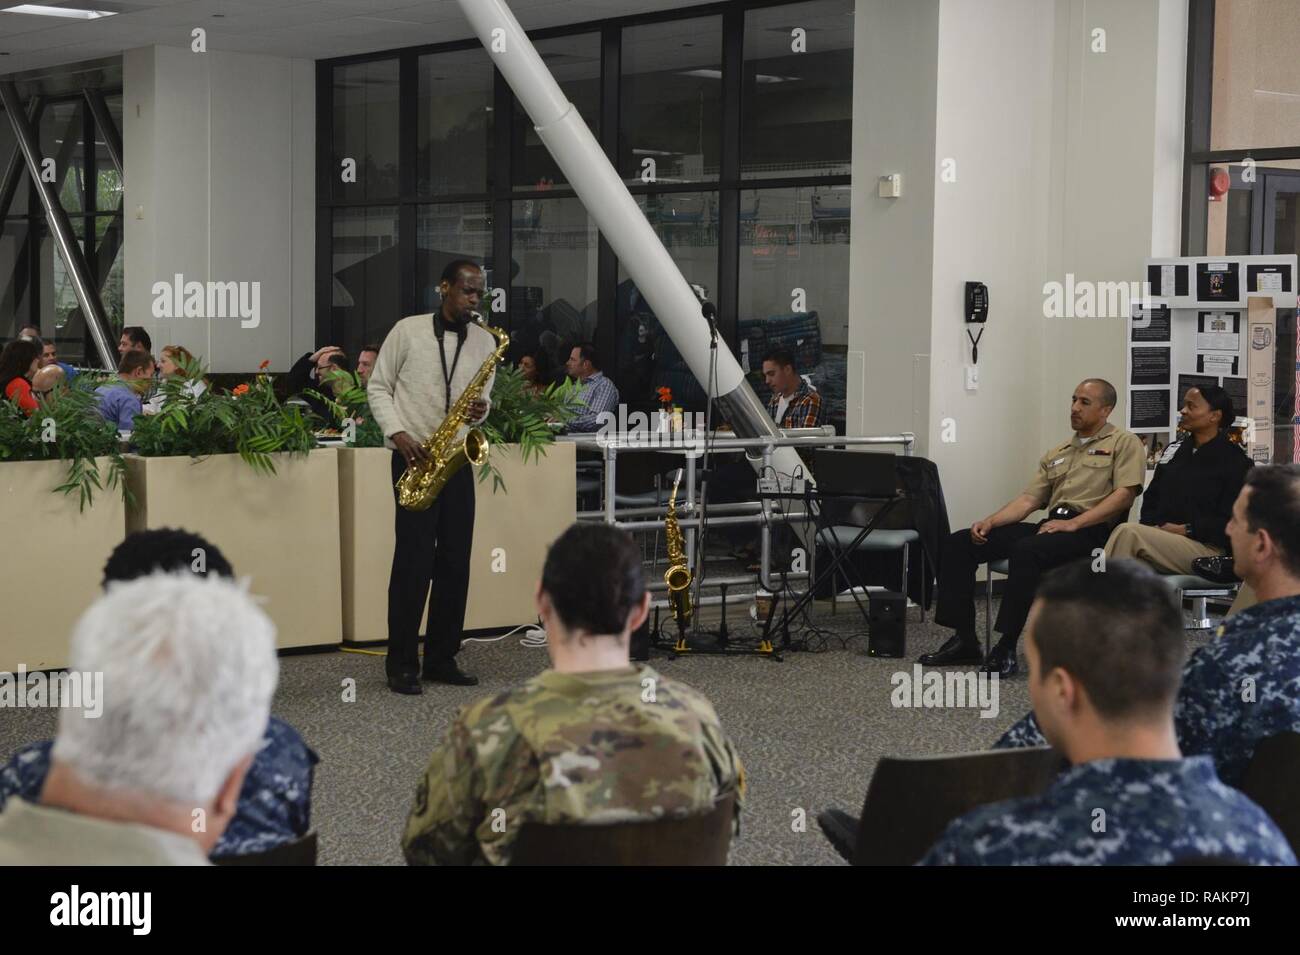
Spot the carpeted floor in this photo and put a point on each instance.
(810, 730)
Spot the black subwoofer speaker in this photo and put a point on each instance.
(887, 635)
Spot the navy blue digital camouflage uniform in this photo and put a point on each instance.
(274, 804)
(1156, 812)
(1255, 656)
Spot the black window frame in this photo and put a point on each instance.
(727, 187)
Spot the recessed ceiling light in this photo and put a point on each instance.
(39, 10)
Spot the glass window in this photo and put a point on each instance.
(672, 101)
(574, 61)
(553, 302)
(109, 187)
(9, 147)
(109, 259)
(455, 123)
(61, 140)
(365, 129)
(59, 309)
(15, 276)
(687, 223)
(1256, 99)
(794, 286)
(443, 233)
(364, 263)
(797, 97)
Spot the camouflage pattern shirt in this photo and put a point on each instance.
(1242, 687)
(602, 747)
(1118, 812)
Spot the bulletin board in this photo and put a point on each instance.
(1217, 320)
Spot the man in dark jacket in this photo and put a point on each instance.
(310, 372)
(1189, 501)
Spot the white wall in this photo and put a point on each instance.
(220, 159)
(1067, 160)
(894, 68)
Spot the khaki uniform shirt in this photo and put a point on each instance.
(42, 835)
(612, 746)
(1081, 472)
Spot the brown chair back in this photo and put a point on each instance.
(693, 840)
(1273, 781)
(301, 852)
(911, 800)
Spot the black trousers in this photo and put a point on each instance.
(1030, 554)
(431, 546)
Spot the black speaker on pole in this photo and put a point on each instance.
(887, 635)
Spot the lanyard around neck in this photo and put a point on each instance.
(447, 373)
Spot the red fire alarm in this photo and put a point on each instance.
(1220, 181)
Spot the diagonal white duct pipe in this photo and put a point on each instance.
(620, 219)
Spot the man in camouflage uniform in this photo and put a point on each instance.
(593, 739)
(1245, 685)
(1104, 697)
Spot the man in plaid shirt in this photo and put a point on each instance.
(794, 403)
(598, 393)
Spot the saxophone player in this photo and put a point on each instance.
(425, 364)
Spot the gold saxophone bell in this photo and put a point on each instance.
(678, 575)
(421, 482)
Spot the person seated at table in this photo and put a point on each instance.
(121, 401)
(177, 362)
(366, 359)
(535, 368)
(19, 361)
(47, 380)
(1105, 650)
(275, 801)
(1188, 503)
(794, 402)
(312, 372)
(50, 356)
(598, 394)
(134, 338)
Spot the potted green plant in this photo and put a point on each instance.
(242, 469)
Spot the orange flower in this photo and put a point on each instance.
(240, 389)
(665, 395)
(262, 366)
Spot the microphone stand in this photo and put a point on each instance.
(710, 314)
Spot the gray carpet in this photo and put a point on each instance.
(809, 729)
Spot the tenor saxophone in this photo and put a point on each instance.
(678, 575)
(421, 482)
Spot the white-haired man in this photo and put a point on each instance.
(189, 669)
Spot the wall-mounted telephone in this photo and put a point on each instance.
(977, 310)
(977, 302)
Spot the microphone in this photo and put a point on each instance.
(711, 316)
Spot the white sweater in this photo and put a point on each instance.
(407, 389)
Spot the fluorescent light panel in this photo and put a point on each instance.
(71, 13)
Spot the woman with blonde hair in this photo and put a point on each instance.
(177, 361)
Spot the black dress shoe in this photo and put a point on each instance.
(446, 671)
(957, 651)
(1002, 661)
(404, 683)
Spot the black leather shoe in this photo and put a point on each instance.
(404, 683)
(1001, 661)
(957, 651)
(447, 672)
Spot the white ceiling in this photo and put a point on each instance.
(311, 29)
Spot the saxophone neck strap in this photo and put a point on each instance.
(448, 373)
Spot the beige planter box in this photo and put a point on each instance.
(56, 560)
(521, 522)
(279, 530)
